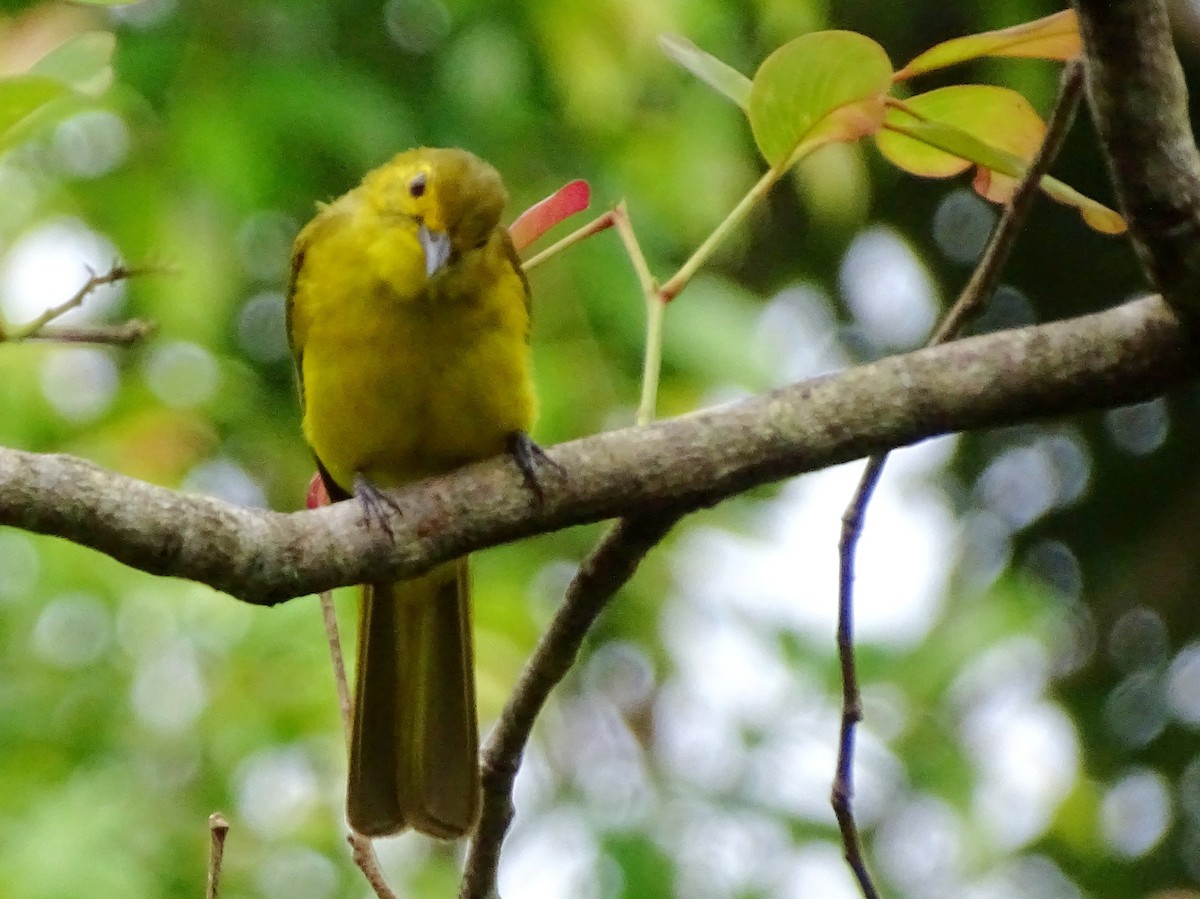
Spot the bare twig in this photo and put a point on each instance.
(333, 637)
(364, 856)
(610, 565)
(974, 295)
(94, 281)
(124, 334)
(633, 249)
(595, 226)
(218, 829)
(843, 782)
(362, 850)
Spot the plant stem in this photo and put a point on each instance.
(687, 271)
(595, 226)
(655, 307)
(652, 363)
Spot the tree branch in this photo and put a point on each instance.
(1123, 355)
(609, 566)
(1140, 105)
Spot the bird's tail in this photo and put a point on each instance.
(414, 749)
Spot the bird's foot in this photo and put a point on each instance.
(529, 458)
(377, 506)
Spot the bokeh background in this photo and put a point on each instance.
(1026, 596)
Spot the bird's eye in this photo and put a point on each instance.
(416, 187)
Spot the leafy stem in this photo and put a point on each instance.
(704, 252)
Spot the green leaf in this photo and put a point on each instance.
(712, 71)
(83, 63)
(944, 132)
(944, 150)
(1053, 37)
(941, 133)
(820, 88)
(22, 97)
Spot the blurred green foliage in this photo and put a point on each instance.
(1007, 749)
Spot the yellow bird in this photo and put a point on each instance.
(408, 315)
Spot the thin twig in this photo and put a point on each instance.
(843, 781)
(973, 297)
(94, 281)
(687, 271)
(362, 849)
(218, 829)
(656, 311)
(624, 228)
(995, 256)
(659, 297)
(595, 226)
(124, 334)
(618, 217)
(363, 853)
(655, 307)
(609, 566)
(333, 638)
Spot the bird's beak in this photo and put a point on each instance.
(436, 246)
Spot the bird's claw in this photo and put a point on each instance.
(377, 506)
(529, 457)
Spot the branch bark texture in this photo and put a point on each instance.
(1140, 105)
(1123, 355)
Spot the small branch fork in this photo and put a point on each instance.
(657, 296)
(969, 303)
(41, 328)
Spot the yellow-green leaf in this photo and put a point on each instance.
(1098, 216)
(1053, 37)
(21, 98)
(819, 88)
(83, 63)
(943, 132)
(712, 71)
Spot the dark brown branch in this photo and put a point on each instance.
(842, 795)
(602, 573)
(972, 299)
(1139, 102)
(1124, 355)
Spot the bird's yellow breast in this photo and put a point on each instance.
(403, 376)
